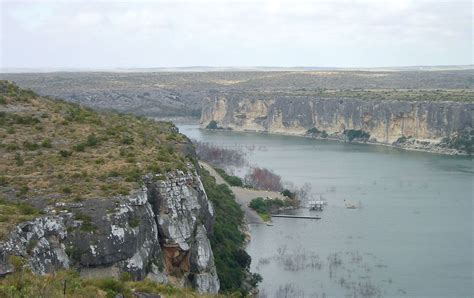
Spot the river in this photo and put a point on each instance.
(412, 236)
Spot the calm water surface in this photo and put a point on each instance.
(413, 235)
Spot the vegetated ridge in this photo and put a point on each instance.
(105, 196)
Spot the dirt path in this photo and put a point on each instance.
(243, 196)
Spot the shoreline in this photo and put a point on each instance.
(448, 152)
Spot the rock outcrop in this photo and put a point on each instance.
(159, 232)
(428, 125)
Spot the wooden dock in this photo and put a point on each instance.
(296, 216)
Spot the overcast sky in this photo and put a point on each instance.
(109, 34)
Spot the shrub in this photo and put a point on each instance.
(219, 156)
(227, 240)
(352, 134)
(259, 205)
(289, 194)
(19, 160)
(92, 140)
(46, 143)
(30, 146)
(65, 153)
(264, 207)
(87, 225)
(80, 147)
(232, 180)
(212, 125)
(261, 178)
(312, 131)
(127, 139)
(133, 222)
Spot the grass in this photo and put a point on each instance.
(53, 149)
(68, 283)
(79, 147)
(12, 213)
(265, 216)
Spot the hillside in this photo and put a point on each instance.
(54, 151)
(102, 194)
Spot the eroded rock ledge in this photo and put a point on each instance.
(442, 127)
(159, 232)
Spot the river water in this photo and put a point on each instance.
(412, 236)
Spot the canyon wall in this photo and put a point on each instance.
(409, 124)
(159, 232)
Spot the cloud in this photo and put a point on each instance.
(169, 33)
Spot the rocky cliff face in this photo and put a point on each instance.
(411, 124)
(159, 232)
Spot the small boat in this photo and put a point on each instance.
(350, 205)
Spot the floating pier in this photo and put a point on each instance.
(296, 216)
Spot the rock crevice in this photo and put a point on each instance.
(159, 232)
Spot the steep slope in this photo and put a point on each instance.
(436, 121)
(104, 194)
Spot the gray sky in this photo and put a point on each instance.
(109, 34)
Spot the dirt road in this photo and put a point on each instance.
(243, 196)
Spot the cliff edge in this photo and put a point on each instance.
(100, 193)
(435, 126)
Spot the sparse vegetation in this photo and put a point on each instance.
(75, 140)
(23, 283)
(12, 213)
(463, 142)
(120, 92)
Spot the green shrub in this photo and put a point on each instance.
(30, 146)
(232, 180)
(212, 125)
(259, 205)
(313, 130)
(87, 225)
(46, 143)
(80, 147)
(65, 153)
(288, 193)
(352, 134)
(127, 139)
(133, 222)
(19, 160)
(92, 140)
(227, 240)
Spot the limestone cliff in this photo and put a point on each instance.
(159, 232)
(430, 126)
